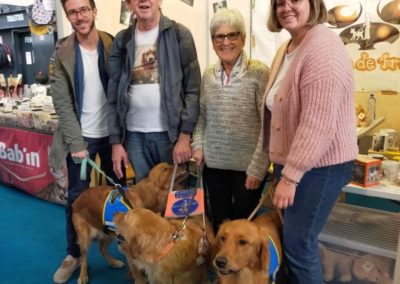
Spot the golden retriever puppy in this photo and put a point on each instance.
(87, 210)
(149, 247)
(241, 250)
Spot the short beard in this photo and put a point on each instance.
(90, 29)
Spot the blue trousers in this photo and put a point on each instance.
(145, 150)
(76, 186)
(315, 197)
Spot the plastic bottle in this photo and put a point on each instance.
(371, 107)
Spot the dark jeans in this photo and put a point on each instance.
(76, 186)
(145, 150)
(229, 199)
(315, 197)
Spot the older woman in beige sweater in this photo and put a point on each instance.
(225, 137)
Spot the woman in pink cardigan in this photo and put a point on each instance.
(309, 129)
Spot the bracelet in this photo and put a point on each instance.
(289, 181)
(187, 133)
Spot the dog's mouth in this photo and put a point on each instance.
(226, 271)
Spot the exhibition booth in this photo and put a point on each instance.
(366, 236)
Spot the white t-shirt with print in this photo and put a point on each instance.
(145, 112)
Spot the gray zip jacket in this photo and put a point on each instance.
(179, 74)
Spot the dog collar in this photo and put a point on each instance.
(274, 260)
(114, 203)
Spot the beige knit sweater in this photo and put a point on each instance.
(230, 120)
(313, 118)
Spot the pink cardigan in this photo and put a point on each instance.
(313, 119)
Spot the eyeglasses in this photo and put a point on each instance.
(219, 38)
(73, 14)
(292, 3)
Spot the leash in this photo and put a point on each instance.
(177, 235)
(270, 193)
(83, 176)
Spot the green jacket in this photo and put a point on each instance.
(68, 136)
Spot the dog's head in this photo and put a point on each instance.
(140, 230)
(239, 245)
(149, 58)
(162, 173)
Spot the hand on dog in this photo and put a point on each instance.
(182, 151)
(252, 183)
(284, 195)
(119, 157)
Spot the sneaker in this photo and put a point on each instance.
(67, 268)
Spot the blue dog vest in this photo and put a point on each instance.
(113, 204)
(274, 260)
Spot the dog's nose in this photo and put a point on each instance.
(221, 261)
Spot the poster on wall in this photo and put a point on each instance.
(189, 2)
(125, 14)
(219, 5)
(370, 31)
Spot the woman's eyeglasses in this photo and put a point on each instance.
(291, 3)
(219, 38)
(73, 14)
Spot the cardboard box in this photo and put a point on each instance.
(366, 171)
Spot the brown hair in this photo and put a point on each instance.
(91, 2)
(318, 15)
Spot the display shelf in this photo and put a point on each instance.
(385, 191)
(361, 131)
(364, 229)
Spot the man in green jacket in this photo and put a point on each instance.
(78, 77)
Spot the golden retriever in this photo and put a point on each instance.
(241, 249)
(148, 247)
(87, 210)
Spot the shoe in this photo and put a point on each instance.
(67, 268)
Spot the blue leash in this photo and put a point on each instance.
(83, 176)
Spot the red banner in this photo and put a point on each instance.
(24, 159)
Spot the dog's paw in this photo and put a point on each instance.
(117, 263)
(83, 279)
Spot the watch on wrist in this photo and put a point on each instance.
(187, 133)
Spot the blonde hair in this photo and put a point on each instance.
(318, 15)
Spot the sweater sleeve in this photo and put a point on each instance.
(260, 162)
(199, 129)
(326, 77)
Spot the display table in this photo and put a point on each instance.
(24, 163)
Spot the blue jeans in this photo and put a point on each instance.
(76, 186)
(145, 150)
(315, 197)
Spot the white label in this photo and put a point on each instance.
(28, 58)
(15, 18)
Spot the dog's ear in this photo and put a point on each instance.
(263, 254)
(214, 249)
